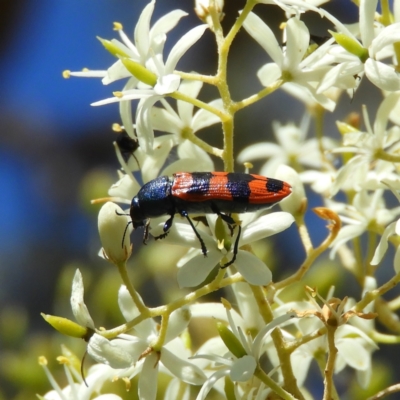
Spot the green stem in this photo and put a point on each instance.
(374, 294)
(258, 96)
(190, 76)
(329, 387)
(200, 104)
(260, 374)
(382, 155)
(127, 282)
(289, 380)
(217, 283)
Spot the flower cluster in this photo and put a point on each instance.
(267, 336)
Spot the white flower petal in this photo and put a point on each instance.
(152, 163)
(178, 322)
(148, 378)
(183, 45)
(381, 75)
(264, 36)
(388, 104)
(346, 233)
(167, 84)
(383, 244)
(166, 121)
(355, 355)
(186, 371)
(297, 42)
(211, 382)
(174, 390)
(203, 118)
(79, 309)
(125, 188)
(243, 369)
(166, 23)
(367, 14)
(216, 311)
(142, 31)
(294, 202)
(197, 269)
(109, 353)
(265, 226)
(115, 72)
(389, 35)
(129, 310)
(125, 109)
(258, 151)
(185, 109)
(144, 126)
(269, 73)
(252, 268)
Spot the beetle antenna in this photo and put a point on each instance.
(82, 371)
(126, 228)
(123, 236)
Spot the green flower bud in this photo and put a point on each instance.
(66, 326)
(351, 45)
(112, 48)
(230, 340)
(139, 71)
(345, 128)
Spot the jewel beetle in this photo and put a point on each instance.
(218, 193)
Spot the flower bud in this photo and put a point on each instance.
(351, 45)
(114, 233)
(230, 340)
(66, 326)
(203, 10)
(112, 48)
(178, 322)
(139, 71)
(296, 203)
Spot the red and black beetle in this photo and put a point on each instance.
(218, 193)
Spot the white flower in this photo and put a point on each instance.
(367, 147)
(194, 268)
(376, 43)
(146, 51)
(390, 230)
(166, 83)
(240, 369)
(291, 63)
(77, 388)
(130, 353)
(292, 148)
(366, 209)
(184, 124)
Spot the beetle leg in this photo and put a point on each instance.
(231, 222)
(227, 218)
(146, 231)
(235, 249)
(202, 244)
(166, 228)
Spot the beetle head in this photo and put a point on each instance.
(138, 217)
